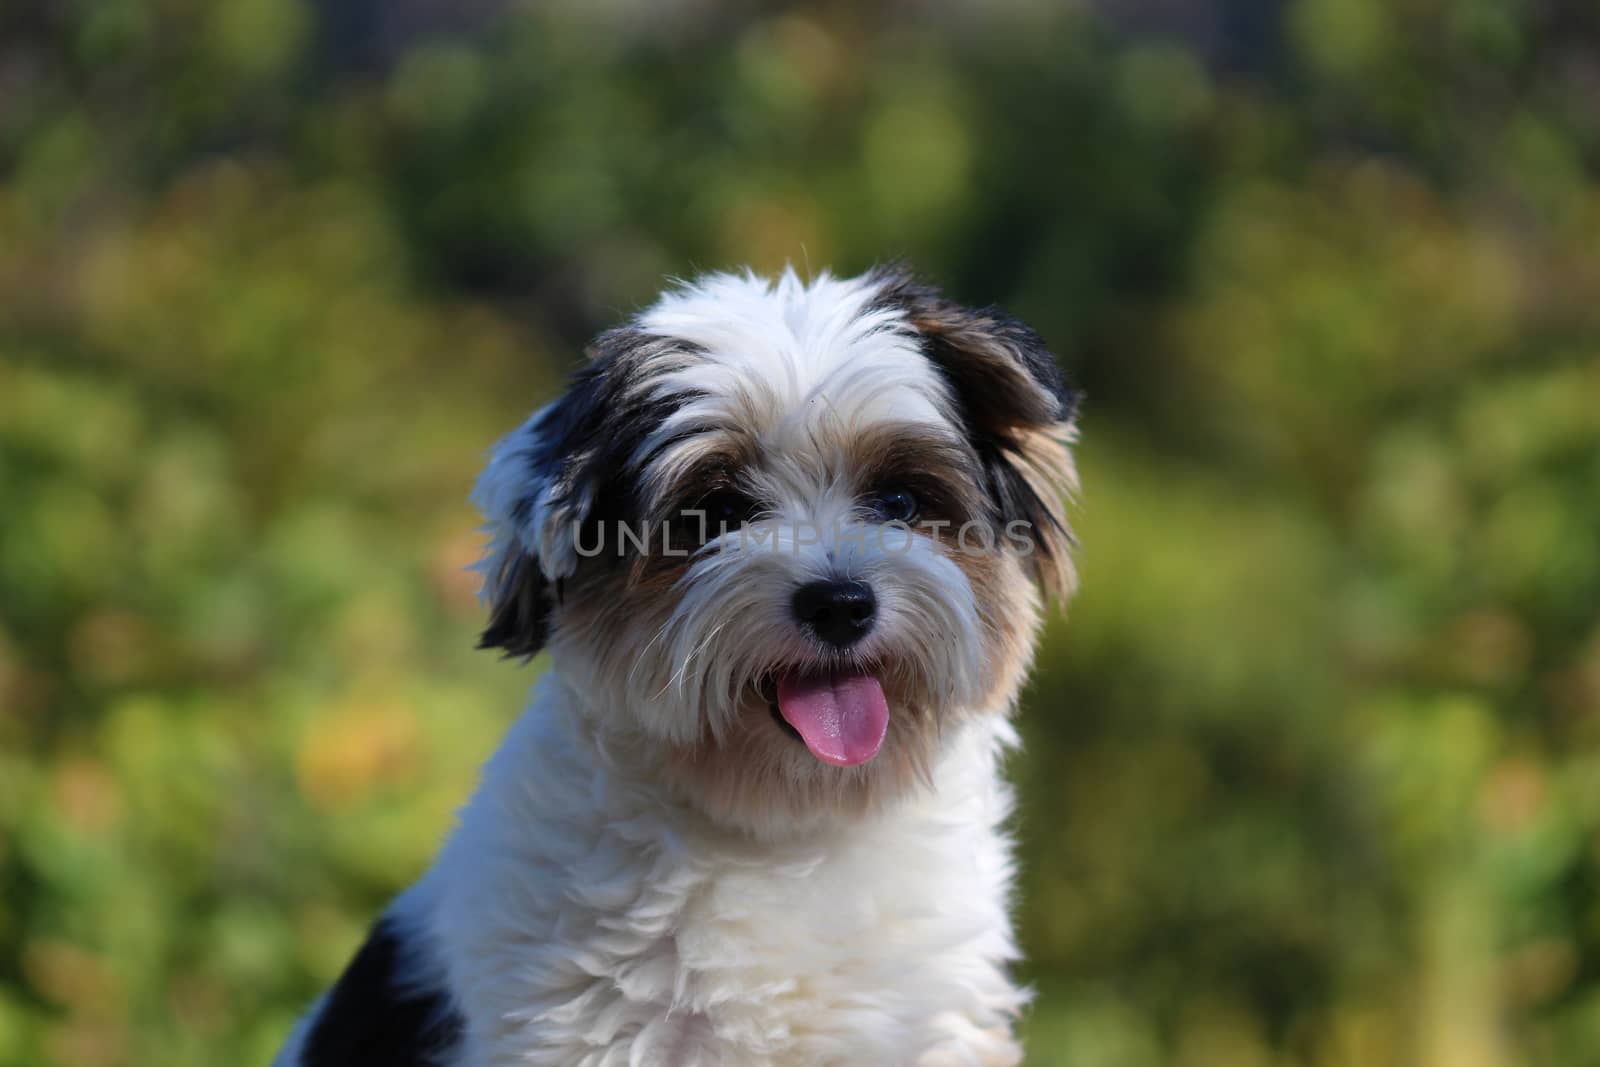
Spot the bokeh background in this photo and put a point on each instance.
(1312, 775)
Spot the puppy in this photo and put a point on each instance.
(787, 544)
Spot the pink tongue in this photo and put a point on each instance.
(841, 717)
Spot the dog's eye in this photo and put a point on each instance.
(894, 504)
(725, 509)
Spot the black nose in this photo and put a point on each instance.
(838, 612)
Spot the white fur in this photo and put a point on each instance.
(586, 918)
(782, 357)
(588, 911)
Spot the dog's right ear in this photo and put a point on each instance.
(574, 463)
(539, 487)
(518, 495)
(519, 602)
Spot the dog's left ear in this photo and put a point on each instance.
(1017, 409)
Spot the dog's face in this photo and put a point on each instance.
(781, 537)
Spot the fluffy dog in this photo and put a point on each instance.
(787, 544)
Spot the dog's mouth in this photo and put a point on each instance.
(840, 715)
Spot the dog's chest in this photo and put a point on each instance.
(584, 933)
(872, 952)
(822, 958)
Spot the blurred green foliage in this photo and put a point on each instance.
(1313, 772)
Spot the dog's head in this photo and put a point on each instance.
(782, 537)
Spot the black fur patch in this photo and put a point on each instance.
(372, 1019)
(519, 620)
(1003, 379)
(980, 351)
(586, 446)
